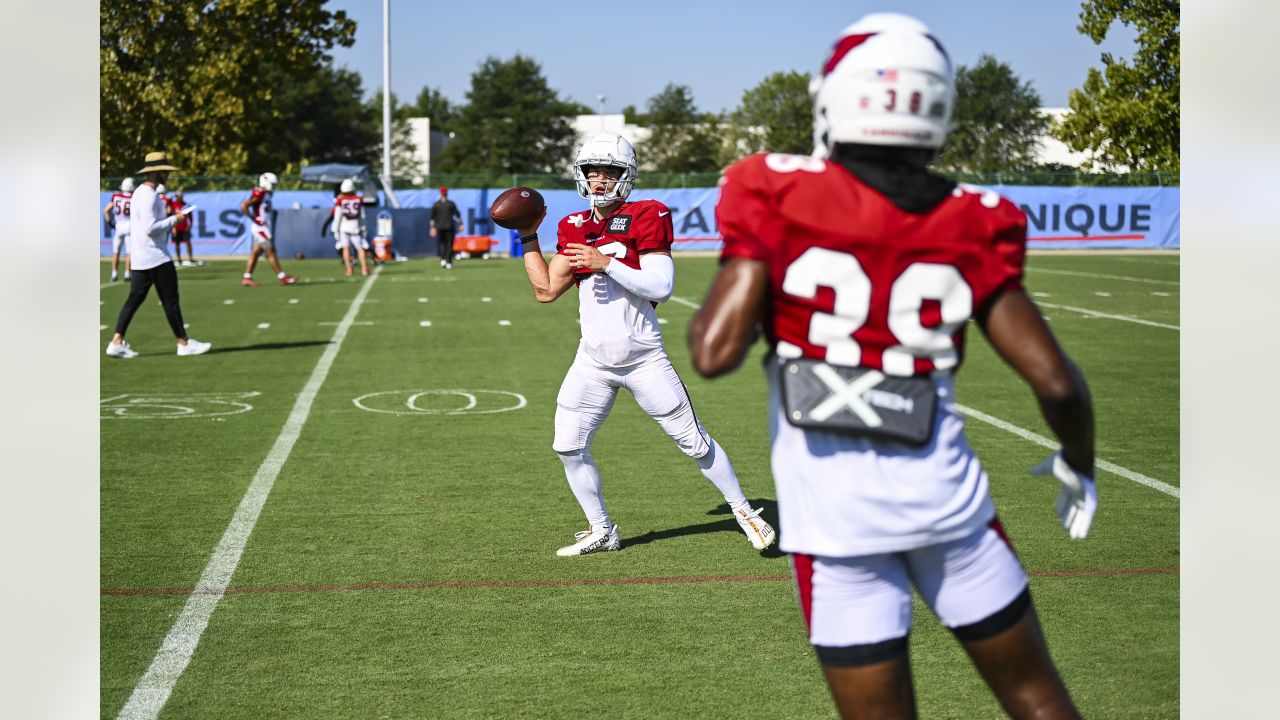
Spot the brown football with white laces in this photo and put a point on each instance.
(517, 207)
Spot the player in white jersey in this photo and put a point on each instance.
(348, 231)
(116, 213)
(863, 269)
(258, 207)
(619, 255)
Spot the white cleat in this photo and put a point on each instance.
(590, 541)
(194, 347)
(760, 533)
(115, 276)
(121, 351)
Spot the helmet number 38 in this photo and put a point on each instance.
(918, 283)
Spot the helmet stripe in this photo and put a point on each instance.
(842, 48)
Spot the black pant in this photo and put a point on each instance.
(165, 278)
(446, 243)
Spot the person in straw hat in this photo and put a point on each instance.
(150, 262)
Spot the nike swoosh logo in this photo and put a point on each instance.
(661, 214)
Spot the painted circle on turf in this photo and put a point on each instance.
(168, 407)
(440, 402)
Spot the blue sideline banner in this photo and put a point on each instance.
(1057, 217)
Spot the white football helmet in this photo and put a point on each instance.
(348, 186)
(267, 181)
(127, 185)
(606, 149)
(161, 189)
(887, 81)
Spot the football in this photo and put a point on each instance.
(517, 207)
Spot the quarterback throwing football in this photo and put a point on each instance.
(618, 253)
(863, 269)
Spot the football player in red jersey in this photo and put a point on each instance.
(863, 269)
(258, 207)
(348, 210)
(181, 230)
(618, 253)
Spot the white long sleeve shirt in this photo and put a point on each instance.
(148, 228)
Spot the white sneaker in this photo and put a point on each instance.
(593, 540)
(115, 276)
(448, 266)
(442, 264)
(121, 351)
(760, 533)
(126, 274)
(194, 347)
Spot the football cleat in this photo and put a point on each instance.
(194, 347)
(121, 351)
(591, 541)
(248, 282)
(347, 272)
(288, 279)
(760, 533)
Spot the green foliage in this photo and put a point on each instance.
(1127, 114)
(682, 140)
(321, 119)
(404, 163)
(996, 123)
(775, 116)
(205, 81)
(513, 122)
(430, 104)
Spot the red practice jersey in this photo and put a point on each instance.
(857, 281)
(348, 205)
(634, 228)
(185, 223)
(260, 202)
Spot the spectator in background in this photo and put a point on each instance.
(117, 214)
(149, 259)
(258, 207)
(181, 231)
(446, 222)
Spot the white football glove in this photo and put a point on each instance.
(1078, 500)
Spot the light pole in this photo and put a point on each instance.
(601, 99)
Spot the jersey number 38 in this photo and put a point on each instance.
(918, 283)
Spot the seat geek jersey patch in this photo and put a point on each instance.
(620, 224)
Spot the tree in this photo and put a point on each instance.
(1127, 115)
(997, 124)
(431, 103)
(404, 163)
(321, 118)
(187, 76)
(512, 122)
(775, 116)
(681, 139)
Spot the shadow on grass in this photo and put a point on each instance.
(269, 346)
(770, 515)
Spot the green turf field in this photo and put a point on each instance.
(402, 564)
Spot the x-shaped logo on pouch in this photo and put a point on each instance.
(846, 395)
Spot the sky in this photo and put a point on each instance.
(629, 51)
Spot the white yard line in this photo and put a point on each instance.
(1043, 441)
(1095, 313)
(682, 301)
(1103, 277)
(152, 691)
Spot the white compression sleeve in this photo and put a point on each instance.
(654, 281)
